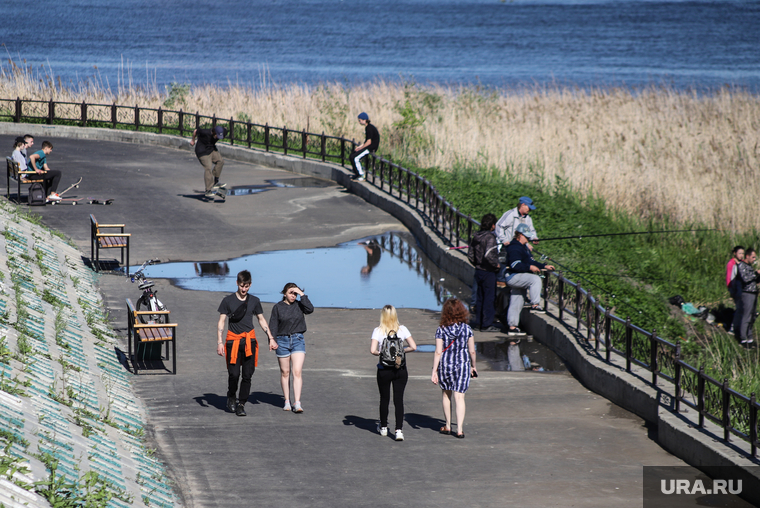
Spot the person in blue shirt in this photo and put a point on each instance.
(51, 178)
(521, 275)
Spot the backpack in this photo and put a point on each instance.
(36, 195)
(392, 351)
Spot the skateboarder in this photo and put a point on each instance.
(370, 145)
(240, 349)
(209, 157)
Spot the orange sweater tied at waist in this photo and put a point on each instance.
(251, 346)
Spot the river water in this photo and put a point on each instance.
(510, 43)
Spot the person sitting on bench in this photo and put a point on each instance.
(38, 162)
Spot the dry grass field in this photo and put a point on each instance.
(654, 152)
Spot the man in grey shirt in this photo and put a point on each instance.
(505, 226)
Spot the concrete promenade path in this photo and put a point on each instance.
(533, 439)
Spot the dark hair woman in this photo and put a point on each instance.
(454, 361)
(288, 325)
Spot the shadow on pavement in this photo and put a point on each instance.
(418, 421)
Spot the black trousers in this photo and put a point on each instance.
(486, 296)
(246, 365)
(385, 379)
(50, 180)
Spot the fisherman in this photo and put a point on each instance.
(522, 275)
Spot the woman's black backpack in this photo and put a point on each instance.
(392, 351)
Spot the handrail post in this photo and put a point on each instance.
(589, 322)
(248, 133)
(181, 122)
(561, 295)
(578, 308)
(628, 343)
(607, 330)
(677, 377)
(597, 332)
(322, 145)
(753, 424)
(726, 403)
(137, 117)
(84, 114)
(114, 116)
(266, 137)
(213, 121)
(17, 115)
(51, 111)
(342, 152)
(160, 120)
(303, 142)
(232, 130)
(285, 140)
(197, 120)
(653, 356)
(701, 396)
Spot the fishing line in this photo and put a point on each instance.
(580, 237)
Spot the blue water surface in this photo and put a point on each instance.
(702, 44)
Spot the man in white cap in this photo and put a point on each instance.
(371, 142)
(209, 157)
(521, 275)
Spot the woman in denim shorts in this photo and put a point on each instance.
(288, 325)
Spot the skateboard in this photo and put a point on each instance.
(100, 201)
(67, 189)
(67, 201)
(221, 193)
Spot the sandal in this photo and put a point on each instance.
(445, 431)
(459, 436)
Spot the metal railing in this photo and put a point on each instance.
(713, 400)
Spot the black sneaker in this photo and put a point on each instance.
(491, 329)
(537, 309)
(240, 411)
(231, 404)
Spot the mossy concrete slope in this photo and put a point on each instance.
(71, 426)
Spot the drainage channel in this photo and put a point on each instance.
(512, 355)
(367, 273)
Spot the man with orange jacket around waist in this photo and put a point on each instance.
(240, 349)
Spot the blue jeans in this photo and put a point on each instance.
(486, 295)
(289, 344)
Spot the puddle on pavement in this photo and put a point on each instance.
(518, 355)
(366, 273)
(281, 183)
(513, 355)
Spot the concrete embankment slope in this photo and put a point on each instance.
(67, 410)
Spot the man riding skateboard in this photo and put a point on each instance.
(210, 158)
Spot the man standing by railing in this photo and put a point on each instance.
(749, 289)
(209, 157)
(370, 145)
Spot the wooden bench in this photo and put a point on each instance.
(139, 333)
(100, 240)
(14, 171)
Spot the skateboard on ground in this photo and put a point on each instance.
(67, 189)
(66, 201)
(221, 193)
(100, 201)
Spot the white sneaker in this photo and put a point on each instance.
(399, 435)
(286, 407)
(361, 179)
(382, 430)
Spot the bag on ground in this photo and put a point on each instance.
(392, 351)
(36, 195)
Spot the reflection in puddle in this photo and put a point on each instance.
(519, 355)
(245, 190)
(368, 273)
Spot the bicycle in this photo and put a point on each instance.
(148, 300)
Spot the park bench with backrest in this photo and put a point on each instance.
(102, 240)
(14, 171)
(140, 335)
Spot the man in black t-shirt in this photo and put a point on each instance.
(209, 156)
(371, 142)
(240, 349)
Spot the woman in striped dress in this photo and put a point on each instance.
(454, 361)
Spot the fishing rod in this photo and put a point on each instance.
(580, 237)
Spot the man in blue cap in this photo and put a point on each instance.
(505, 226)
(209, 157)
(371, 142)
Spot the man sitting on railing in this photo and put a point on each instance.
(371, 142)
(521, 275)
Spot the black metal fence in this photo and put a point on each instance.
(691, 387)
